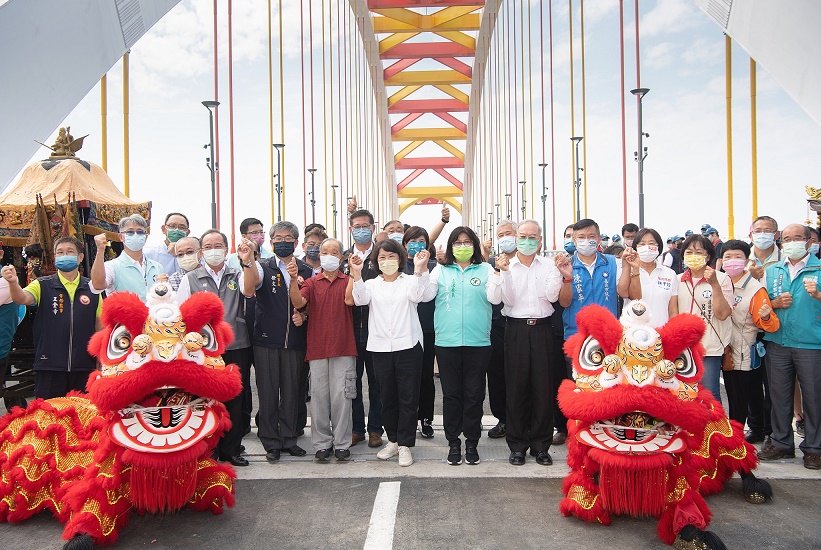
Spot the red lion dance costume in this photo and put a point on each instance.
(142, 437)
(643, 439)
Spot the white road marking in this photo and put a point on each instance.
(383, 517)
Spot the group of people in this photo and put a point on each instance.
(393, 305)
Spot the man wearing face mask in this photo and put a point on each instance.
(628, 234)
(63, 324)
(310, 247)
(588, 277)
(226, 282)
(175, 228)
(361, 226)
(253, 230)
(187, 252)
(795, 348)
(569, 244)
(279, 343)
(529, 285)
(131, 271)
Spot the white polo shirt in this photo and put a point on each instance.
(657, 289)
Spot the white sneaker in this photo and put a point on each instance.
(405, 456)
(388, 451)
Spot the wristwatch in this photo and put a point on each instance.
(445, 221)
(245, 265)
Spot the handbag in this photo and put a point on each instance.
(727, 362)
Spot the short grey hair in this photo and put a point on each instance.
(511, 223)
(534, 222)
(195, 241)
(133, 218)
(284, 226)
(332, 240)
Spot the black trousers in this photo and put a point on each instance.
(759, 407)
(277, 371)
(528, 377)
(496, 370)
(230, 441)
(398, 373)
(50, 384)
(247, 396)
(740, 385)
(562, 367)
(462, 373)
(302, 403)
(427, 388)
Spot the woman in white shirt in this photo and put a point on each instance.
(394, 339)
(647, 279)
(709, 293)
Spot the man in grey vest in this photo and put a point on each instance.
(226, 282)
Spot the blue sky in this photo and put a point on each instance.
(682, 62)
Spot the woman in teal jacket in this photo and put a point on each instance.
(462, 284)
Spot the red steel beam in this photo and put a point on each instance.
(453, 121)
(400, 66)
(430, 50)
(404, 122)
(435, 163)
(429, 106)
(456, 65)
(450, 177)
(409, 178)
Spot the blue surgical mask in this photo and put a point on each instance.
(569, 246)
(66, 263)
(414, 247)
(814, 249)
(134, 242)
(507, 244)
(396, 237)
(362, 235)
(527, 246)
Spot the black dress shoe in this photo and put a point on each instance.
(517, 458)
(295, 450)
(559, 438)
(322, 455)
(300, 433)
(241, 449)
(272, 456)
(235, 460)
(754, 437)
(342, 454)
(498, 431)
(544, 458)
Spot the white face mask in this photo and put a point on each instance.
(628, 242)
(328, 262)
(214, 256)
(763, 241)
(189, 262)
(647, 254)
(586, 247)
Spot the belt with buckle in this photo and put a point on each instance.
(530, 322)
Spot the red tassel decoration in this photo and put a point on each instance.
(163, 489)
(637, 493)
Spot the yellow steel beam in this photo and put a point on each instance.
(387, 43)
(450, 149)
(404, 205)
(408, 149)
(432, 78)
(470, 22)
(431, 192)
(451, 13)
(454, 92)
(458, 37)
(402, 94)
(399, 14)
(428, 134)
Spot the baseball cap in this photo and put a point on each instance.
(669, 239)
(711, 231)
(688, 232)
(616, 238)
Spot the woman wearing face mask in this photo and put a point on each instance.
(415, 240)
(644, 277)
(753, 312)
(394, 339)
(462, 322)
(709, 293)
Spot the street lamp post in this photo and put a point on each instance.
(333, 205)
(507, 203)
(279, 187)
(210, 105)
(313, 196)
(578, 182)
(524, 200)
(641, 154)
(543, 165)
(498, 219)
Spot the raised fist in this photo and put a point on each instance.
(100, 240)
(9, 273)
(293, 269)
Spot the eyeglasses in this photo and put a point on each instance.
(219, 246)
(462, 243)
(764, 230)
(288, 239)
(366, 226)
(260, 232)
(131, 232)
(181, 227)
(186, 254)
(793, 239)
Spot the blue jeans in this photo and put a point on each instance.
(711, 375)
(364, 363)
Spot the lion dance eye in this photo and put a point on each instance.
(119, 343)
(211, 343)
(592, 355)
(685, 365)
